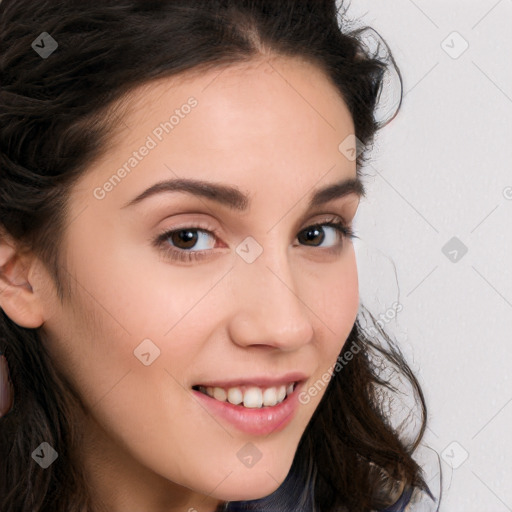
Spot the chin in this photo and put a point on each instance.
(247, 485)
(249, 492)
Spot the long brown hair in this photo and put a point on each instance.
(56, 117)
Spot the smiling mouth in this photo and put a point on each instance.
(250, 396)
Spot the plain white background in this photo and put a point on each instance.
(443, 169)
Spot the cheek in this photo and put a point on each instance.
(124, 308)
(336, 296)
(336, 303)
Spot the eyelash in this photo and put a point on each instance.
(183, 255)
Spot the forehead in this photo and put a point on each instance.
(268, 123)
(264, 96)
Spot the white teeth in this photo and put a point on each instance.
(253, 397)
(219, 394)
(270, 397)
(235, 396)
(281, 393)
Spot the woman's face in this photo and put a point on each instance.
(266, 301)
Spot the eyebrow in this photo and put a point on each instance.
(234, 199)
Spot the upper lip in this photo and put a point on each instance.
(259, 381)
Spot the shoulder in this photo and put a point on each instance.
(414, 500)
(402, 504)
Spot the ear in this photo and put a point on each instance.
(17, 297)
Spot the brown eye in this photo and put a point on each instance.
(187, 243)
(310, 234)
(184, 238)
(191, 243)
(315, 235)
(188, 238)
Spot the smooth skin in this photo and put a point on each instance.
(271, 128)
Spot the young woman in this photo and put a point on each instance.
(180, 322)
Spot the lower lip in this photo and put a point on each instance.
(257, 421)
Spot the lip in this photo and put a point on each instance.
(261, 382)
(254, 421)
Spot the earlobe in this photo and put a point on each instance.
(17, 297)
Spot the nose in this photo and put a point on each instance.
(269, 309)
